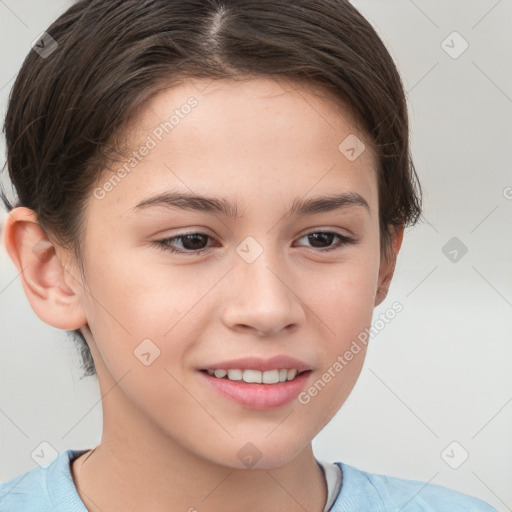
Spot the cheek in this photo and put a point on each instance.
(343, 296)
(143, 314)
(343, 304)
(134, 321)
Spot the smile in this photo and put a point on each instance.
(255, 376)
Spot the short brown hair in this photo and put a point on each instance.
(113, 55)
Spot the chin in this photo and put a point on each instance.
(260, 454)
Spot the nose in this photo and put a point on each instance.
(263, 297)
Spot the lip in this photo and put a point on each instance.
(255, 363)
(255, 396)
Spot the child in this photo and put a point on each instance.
(260, 128)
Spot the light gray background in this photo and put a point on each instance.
(440, 371)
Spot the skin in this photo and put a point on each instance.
(169, 441)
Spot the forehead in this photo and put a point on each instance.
(252, 138)
(274, 109)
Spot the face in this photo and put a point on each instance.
(275, 287)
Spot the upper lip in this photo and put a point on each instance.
(257, 363)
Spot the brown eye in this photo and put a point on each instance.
(192, 243)
(322, 239)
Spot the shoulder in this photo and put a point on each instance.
(43, 489)
(21, 492)
(381, 493)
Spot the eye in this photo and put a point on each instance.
(194, 243)
(191, 242)
(327, 237)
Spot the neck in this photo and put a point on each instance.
(140, 468)
(136, 478)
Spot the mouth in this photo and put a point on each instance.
(258, 384)
(275, 376)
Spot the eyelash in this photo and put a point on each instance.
(164, 244)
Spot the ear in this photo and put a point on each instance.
(52, 291)
(387, 265)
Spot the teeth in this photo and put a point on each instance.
(255, 376)
(252, 376)
(235, 374)
(270, 377)
(292, 374)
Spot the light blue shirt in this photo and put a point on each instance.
(53, 490)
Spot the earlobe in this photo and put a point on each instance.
(42, 275)
(387, 267)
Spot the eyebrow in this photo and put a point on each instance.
(219, 205)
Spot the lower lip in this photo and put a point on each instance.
(258, 396)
